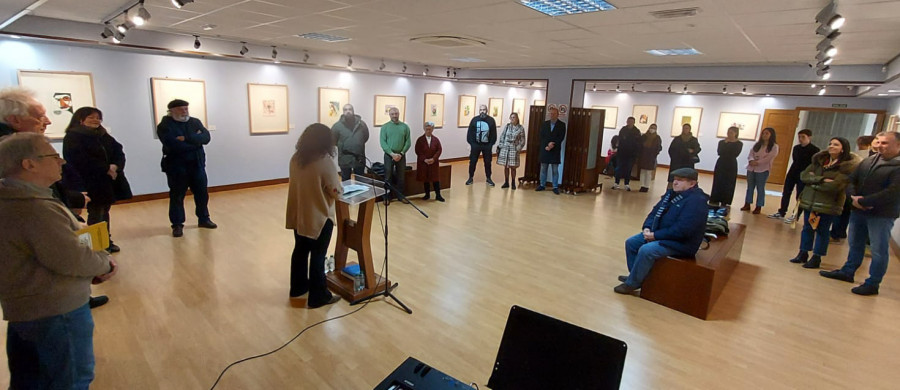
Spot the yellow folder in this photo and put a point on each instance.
(95, 236)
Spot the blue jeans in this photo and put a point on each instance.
(641, 255)
(52, 353)
(878, 231)
(552, 167)
(821, 234)
(756, 180)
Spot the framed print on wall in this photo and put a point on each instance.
(434, 109)
(644, 116)
(61, 93)
(540, 102)
(165, 90)
(748, 124)
(612, 113)
(518, 107)
(466, 110)
(383, 103)
(331, 104)
(684, 115)
(268, 105)
(495, 110)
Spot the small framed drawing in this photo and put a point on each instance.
(268, 108)
(686, 115)
(518, 107)
(610, 119)
(466, 110)
(383, 105)
(434, 109)
(331, 104)
(165, 90)
(540, 102)
(495, 110)
(892, 123)
(748, 125)
(61, 93)
(644, 116)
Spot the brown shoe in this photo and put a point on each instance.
(757, 210)
(624, 289)
(746, 207)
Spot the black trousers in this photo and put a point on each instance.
(485, 151)
(180, 179)
(437, 188)
(790, 181)
(347, 171)
(99, 213)
(395, 172)
(308, 266)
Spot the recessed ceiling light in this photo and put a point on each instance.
(323, 37)
(674, 52)
(894, 90)
(882, 94)
(567, 7)
(467, 59)
(207, 27)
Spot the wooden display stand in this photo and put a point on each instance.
(354, 234)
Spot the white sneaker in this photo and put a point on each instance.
(616, 187)
(777, 215)
(627, 187)
(789, 219)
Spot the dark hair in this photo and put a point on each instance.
(759, 143)
(315, 142)
(865, 140)
(737, 131)
(80, 114)
(614, 141)
(806, 132)
(845, 148)
(631, 117)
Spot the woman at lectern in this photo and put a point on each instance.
(313, 187)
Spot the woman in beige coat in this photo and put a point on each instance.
(313, 187)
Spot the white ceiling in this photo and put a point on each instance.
(726, 31)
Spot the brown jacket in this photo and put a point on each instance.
(46, 271)
(312, 191)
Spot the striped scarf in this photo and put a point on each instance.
(664, 205)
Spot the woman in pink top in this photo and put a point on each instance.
(761, 157)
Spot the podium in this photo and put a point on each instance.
(354, 234)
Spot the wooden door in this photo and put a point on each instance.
(785, 124)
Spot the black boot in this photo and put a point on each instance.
(814, 262)
(802, 257)
(437, 191)
(427, 191)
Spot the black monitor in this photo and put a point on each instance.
(541, 352)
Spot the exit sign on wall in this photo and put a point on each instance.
(838, 105)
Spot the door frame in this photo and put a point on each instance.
(880, 115)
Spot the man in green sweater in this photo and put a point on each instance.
(395, 141)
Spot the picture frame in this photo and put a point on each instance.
(612, 114)
(892, 123)
(539, 102)
(434, 109)
(644, 116)
(331, 104)
(268, 107)
(61, 93)
(682, 115)
(164, 90)
(747, 123)
(383, 103)
(466, 110)
(495, 110)
(518, 107)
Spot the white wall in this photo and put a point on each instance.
(122, 91)
(712, 106)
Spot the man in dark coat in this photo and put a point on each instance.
(674, 227)
(552, 134)
(482, 136)
(875, 192)
(351, 135)
(629, 149)
(184, 163)
(801, 156)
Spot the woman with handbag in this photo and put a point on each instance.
(510, 143)
(99, 161)
(822, 199)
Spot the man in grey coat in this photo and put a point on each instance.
(351, 135)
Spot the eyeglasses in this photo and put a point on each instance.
(54, 155)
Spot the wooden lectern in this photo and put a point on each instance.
(355, 235)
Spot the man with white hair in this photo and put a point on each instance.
(45, 281)
(21, 112)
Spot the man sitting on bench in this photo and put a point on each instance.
(674, 227)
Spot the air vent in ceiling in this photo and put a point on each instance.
(323, 37)
(447, 41)
(676, 13)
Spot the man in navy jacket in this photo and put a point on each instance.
(674, 227)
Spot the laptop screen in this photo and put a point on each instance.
(541, 352)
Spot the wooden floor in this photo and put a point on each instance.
(183, 309)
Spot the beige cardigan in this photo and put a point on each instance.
(312, 191)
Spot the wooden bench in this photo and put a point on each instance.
(692, 286)
(414, 187)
